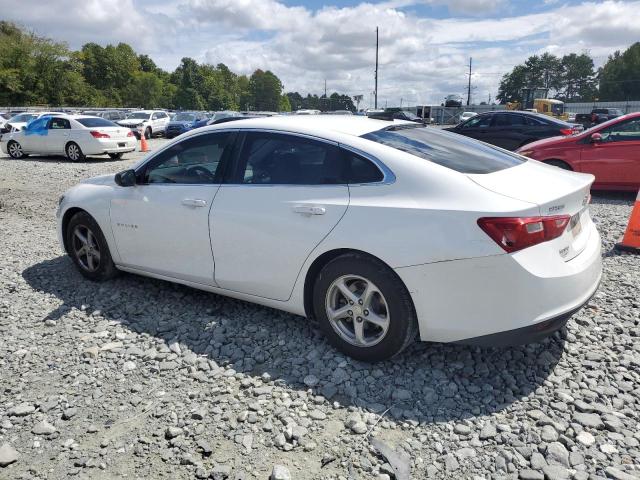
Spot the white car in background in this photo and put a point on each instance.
(150, 122)
(380, 230)
(21, 120)
(72, 135)
(464, 116)
(4, 117)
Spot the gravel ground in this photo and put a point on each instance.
(140, 378)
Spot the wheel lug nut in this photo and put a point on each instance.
(366, 312)
(350, 302)
(360, 302)
(359, 319)
(350, 312)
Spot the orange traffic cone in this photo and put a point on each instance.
(144, 146)
(631, 240)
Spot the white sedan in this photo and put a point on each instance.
(72, 135)
(379, 230)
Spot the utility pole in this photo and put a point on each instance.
(325, 88)
(469, 85)
(375, 105)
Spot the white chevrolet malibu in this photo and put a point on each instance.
(378, 230)
(72, 135)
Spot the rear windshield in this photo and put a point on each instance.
(184, 117)
(96, 122)
(450, 150)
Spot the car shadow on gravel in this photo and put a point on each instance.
(427, 383)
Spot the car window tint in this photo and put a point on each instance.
(358, 169)
(196, 160)
(533, 122)
(450, 150)
(95, 122)
(279, 159)
(622, 132)
(479, 121)
(508, 120)
(59, 124)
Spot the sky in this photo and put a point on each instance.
(425, 45)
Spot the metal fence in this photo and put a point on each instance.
(627, 107)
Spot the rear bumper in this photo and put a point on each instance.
(523, 335)
(526, 294)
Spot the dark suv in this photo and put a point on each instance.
(511, 130)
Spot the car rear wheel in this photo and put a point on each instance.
(15, 150)
(74, 152)
(116, 156)
(363, 308)
(559, 164)
(88, 248)
(147, 133)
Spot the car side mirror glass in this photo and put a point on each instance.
(596, 137)
(23, 128)
(126, 178)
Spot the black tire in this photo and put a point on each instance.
(147, 133)
(403, 324)
(74, 152)
(102, 269)
(559, 164)
(116, 156)
(15, 150)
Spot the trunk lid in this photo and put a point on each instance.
(115, 133)
(555, 191)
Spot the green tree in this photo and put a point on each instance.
(620, 76)
(537, 71)
(578, 78)
(284, 106)
(266, 90)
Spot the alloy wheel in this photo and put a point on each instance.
(86, 248)
(357, 310)
(15, 150)
(73, 152)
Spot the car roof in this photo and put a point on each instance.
(345, 124)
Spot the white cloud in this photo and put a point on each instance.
(421, 59)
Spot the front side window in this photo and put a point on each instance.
(59, 124)
(280, 159)
(196, 160)
(447, 149)
(622, 132)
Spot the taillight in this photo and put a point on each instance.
(130, 134)
(516, 233)
(567, 131)
(96, 134)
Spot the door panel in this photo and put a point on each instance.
(261, 235)
(615, 160)
(159, 228)
(57, 136)
(162, 224)
(286, 194)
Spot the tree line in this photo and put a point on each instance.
(574, 78)
(39, 71)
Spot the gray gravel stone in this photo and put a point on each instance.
(280, 472)
(8, 455)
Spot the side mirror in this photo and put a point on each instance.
(23, 128)
(126, 178)
(596, 138)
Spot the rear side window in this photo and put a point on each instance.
(534, 122)
(59, 124)
(508, 120)
(95, 122)
(479, 121)
(280, 159)
(450, 150)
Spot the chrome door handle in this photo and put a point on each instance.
(309, 210)
(194, 202)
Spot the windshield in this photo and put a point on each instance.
(23, 117)
(96, 122)
(450, 150)
(184, 117)
(557, 108)
(219, 115)
(138, 116)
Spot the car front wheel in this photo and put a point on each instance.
(363, 308)
(147, 133)
(15, 150)
(88, 248)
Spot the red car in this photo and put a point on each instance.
(610, 151)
